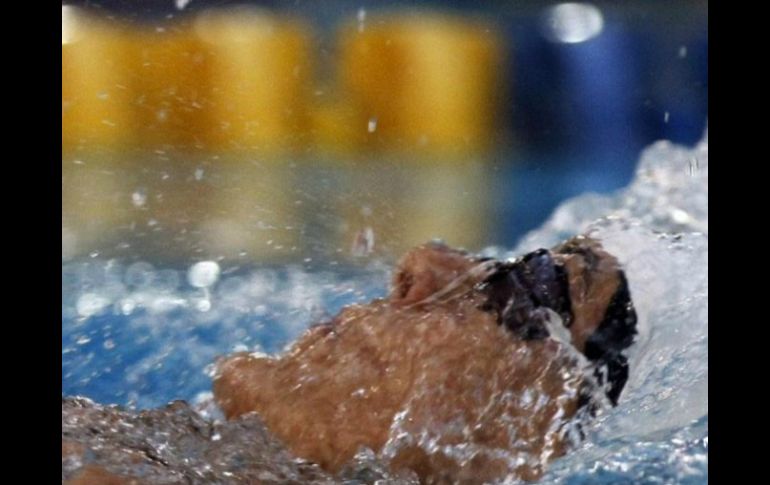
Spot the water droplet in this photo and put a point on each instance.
(203, 274)
(679, 216)
(361, 16)
(363, 244)
(203, 305)
(127, 306)
(139, 198)
(693, 165)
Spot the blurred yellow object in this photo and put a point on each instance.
(96, 94)
(338, 129)
(427, 82)
(170, 83)
(259, 77)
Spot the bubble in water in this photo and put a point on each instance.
(203, 274)
(139, 275)
(167, 280)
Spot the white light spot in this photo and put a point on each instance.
(240, 348)
(139, 198)
(679, 216)
(665, 117)
(69, 24)
(181, 4)
(572, 23)
(199, 174)
(90, 304)
(361, 16)
(127, 306)
(372, 125)
(203, 305)
(683, 52)
(203, 274)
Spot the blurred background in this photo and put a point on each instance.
(330, 132)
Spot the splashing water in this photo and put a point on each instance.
(658, 229)
(137, 335)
